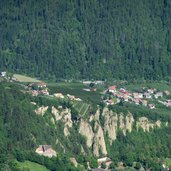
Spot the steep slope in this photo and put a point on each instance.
(86, 39)
(27, 122)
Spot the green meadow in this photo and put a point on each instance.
(23, 78)
(31, 166)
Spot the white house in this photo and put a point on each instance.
(138, 95)
(46, 150)
(59, 95)
(158, 94)
(147, 95)
(3, 74)
(151, 106)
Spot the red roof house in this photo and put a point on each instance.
(112, 88)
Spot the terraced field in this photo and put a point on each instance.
(81, 107)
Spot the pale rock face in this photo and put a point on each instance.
(110, 125)
(105, 111)
(99, 142)
(144, 123)
(86, 130)
(158, 123)
(73, 160)
(122, 123)
(34, 103)
(82, 150)
(53, 121)
(56, 113)
(66, 117)
(66, 131)
(95, 117)
(41, 110)
(129, 122)
(94, 139)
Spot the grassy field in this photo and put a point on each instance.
(22, 78)
(32, 166)
(76, 89)
(158, 85)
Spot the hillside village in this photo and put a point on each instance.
(114, 95)
(147, 97)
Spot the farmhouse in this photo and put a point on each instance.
(59, 95)
(158, 94)
(125, 97)
(151, 106)
(112, 89)
(78, 99)
(138, 95)
(87, 82)
(42, 85)
(99, 82)
(168, 103)
(144, 102)
(136, 101)
(3, 74)
(71, 97)
(86, 89)
(122, 90)
(147, 95)
(166, 93)
(151, 91)
(34, 93)
(46, 150)
(105, 160)
(44, 92)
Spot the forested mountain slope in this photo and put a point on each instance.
(86, 38)
(122, 132)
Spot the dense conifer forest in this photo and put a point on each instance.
(82, 39)
(85, 39)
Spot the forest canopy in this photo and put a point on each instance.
(86, 39)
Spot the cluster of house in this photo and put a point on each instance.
(133, 97)
(41, 89)
(70, 97)
(167, 103)
(46, 150)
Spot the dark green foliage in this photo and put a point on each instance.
(137, 166)
(103, 165)
(86, 39)
(22, 131)
(145, 148)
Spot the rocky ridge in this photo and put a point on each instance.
(97, 127)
